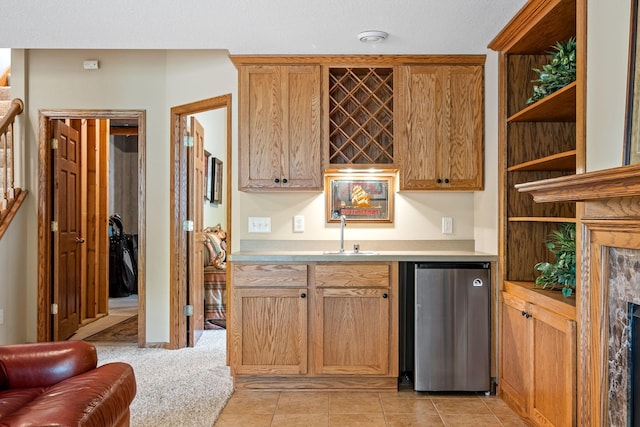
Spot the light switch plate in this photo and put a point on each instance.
(259, 224)
(447, 225)
(298, 224)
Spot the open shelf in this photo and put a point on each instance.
(540, 219)
(560, 106)
(565, 161)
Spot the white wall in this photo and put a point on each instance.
(607, 68)
(214, 123)
(5, 59)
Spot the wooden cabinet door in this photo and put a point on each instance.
(302, 164)
(269, 331)
(553, 396)
(260, 131)
(440, 127)
(462, 158)
(421, 125)
(352, 331)
(279, 135)
(515, 355)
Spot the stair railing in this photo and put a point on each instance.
(10, 196)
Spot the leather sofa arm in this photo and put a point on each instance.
(44, 364)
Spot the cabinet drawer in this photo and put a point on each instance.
(360, 274)
(281, 275)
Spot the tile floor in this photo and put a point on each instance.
(370, 409)
(120, 309)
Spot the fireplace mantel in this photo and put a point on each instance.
(617, 182)
(609, 218)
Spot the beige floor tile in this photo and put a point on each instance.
(461, 405)
(479, 420)
(405, 405)
(357, 420)
(303, 403)
(497, 405)
(354, 403)
(244, 420)
(413, 420)
(300, 420)
(512, 421)
(252, 403)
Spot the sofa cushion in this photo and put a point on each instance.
(96, 398)
(12, 400)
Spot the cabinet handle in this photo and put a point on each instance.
(284, 180)
(385, 296)
(303, 295)
(439, 181)
(446, 180)
(277, 180)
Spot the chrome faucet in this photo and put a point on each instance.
(343, 224)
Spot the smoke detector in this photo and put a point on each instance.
(372, 36)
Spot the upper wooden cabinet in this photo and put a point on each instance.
(440, 125)
(279, 127)
(421, 114)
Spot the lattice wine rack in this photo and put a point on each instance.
(361, 116)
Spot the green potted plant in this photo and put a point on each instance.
(558, 73)
(561, 273)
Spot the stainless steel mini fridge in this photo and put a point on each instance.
(452, 327)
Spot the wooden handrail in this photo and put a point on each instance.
(11, 197)
(4, 77)
(17, 107)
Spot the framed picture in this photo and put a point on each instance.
(216, 186)
(207, 176)
(632, 133)
(359, 197)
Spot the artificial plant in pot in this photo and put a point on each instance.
(558, 73)
(561, 273)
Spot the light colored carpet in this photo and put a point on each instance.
(186, 387)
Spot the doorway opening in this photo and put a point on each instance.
(195, 206)
(81, 156)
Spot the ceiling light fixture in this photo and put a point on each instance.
(372, 36)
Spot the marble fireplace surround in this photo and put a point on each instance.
(608, 215)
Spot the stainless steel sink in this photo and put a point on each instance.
(350, 253)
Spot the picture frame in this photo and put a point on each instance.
(207, 176)
(216, 186)
(632, 119)
(361, 197)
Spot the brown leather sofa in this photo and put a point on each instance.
(58, 384)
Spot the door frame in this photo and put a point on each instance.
(45, 200)
(178, 214)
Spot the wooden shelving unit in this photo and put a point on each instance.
(540, 142)
(361, 115)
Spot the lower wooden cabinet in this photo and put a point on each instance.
(352, 314)
(538, 360)
(314, 325)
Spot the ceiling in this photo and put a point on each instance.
(257, 27)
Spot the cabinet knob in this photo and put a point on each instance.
(277, 180)
(284, 180)
(385, 296)
(439, 181)
(303, 295)
(524, 313)
(527, 315)
(446, 180)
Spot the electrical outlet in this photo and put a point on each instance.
(447, 225)
(298, 224)
(259, 224)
